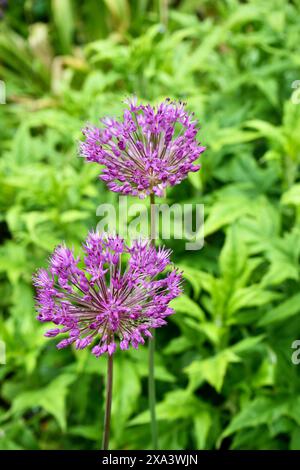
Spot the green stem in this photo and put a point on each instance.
(151, 378)
(163, 7)
(151, 391)
(107, 416)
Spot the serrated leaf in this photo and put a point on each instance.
(212, 370)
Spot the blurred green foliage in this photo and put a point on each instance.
(225, 378)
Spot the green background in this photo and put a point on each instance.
(225, 376)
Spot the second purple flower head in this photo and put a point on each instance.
(100, 301)
(149, 149)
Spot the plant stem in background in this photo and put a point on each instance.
(109, 386)
(151, 378)
(163, 12)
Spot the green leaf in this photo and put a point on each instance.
(246, 344)
(64, 23)
(262, 410)
(233, 257)
(294, 409)
(295, 439)
(177, 345)
(283, 255)
(292, 196)
(92, 432)
(178, 404)
(213, 331)
(193, 276)
(265, 375)
(252, 296)
(195, 179)
(267, 130)
(13, 260)
(184, 304)
(212, 370)
(285, 310)
(127, 387)
(202, 425)
(232, 136)
(225, 212)
(260, 226)
(51, 398)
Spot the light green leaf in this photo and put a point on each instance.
(64, 22)
(225, 212)
(184, 304)
(292, 196)
(177, 345)
(283, 255)
(247, 344)
(202, 425)
(212, 370)
(252, 296)
(178, 404)
(265, 375)
(233, 257)
(92, 432)
(127, 387)
(267, 130)
(51, 398)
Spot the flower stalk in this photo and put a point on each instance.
(107, 416)
(94, 301)
(151, 376)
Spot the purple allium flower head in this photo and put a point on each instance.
(96, 301)
(150, 149)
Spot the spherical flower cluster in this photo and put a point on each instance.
(150, 149)
(99, 301)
